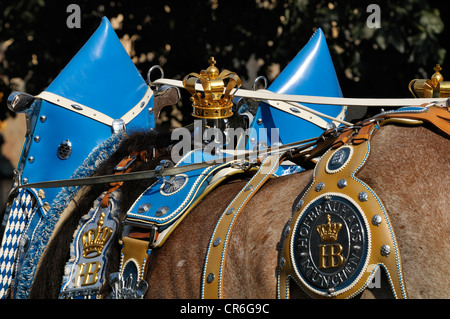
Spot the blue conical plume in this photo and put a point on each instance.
(311, 72)
(101, 75)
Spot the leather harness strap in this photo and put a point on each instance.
(318, 266)
(436, 115)
(355, 135)
(309, 114)
(92, 113)
(123, 167)
(215, 259)
(439, 116)
(135, 253)
(344, 137)
(262, 95)
(337, 193)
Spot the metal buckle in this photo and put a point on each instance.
(127, 228)
(123, 288)
(123, 168)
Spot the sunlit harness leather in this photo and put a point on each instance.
(337, 186)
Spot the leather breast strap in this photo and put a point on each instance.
(355, 135)
(124, 166)
(212, 279)
(315, 254)
(139, 239)
(439, 116)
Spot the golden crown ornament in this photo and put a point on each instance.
(329, 232)
(94, 240)
(215, 101)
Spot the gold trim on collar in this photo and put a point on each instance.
(340, 268)
(215, 258)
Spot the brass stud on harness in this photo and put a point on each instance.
(217, 241)
(282, 262)
(376, 220)
(319, 187)
(230, 211)
(64, 149)
(210, 278)
(363, 197)
(342, 183)
(144, 208)
(161, 211)
(299, 205)
(385, 250)
(41, 193)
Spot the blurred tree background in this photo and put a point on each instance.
(250, 37)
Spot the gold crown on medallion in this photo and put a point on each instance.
(329, 232)
(216, 100)
(94, 240)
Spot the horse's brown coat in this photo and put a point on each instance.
(409, 168)
(412, 181)
(253, 244)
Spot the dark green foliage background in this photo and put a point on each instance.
(182, 35)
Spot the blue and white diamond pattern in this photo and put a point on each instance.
(20, 210)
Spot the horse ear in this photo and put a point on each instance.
(310, 72)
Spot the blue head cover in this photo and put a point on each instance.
(70, 132)
(101, 77)
(311, 72)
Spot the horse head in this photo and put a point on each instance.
(98, 94)
(75, 124)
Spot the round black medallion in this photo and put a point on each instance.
(330, 244)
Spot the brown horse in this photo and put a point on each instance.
(408, 167)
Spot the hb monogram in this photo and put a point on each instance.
(88, 273)
(330, 254)
(94, 240)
